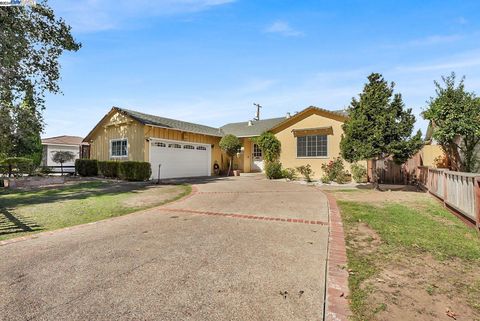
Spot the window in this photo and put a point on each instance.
(201, 148)
(159, 144)
(312, 146)
(257, 152)
(119, 148)
(174, 146)
(188, 147)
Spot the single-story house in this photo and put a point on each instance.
(62, 143)
(183, 149)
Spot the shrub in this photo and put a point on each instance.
(270, 146)
(108, 168)
(359, 173)
(273, 170)
(230, 144)
(334, 171)
(86, 167)
(289, 173)
(134, 171)
(306, 172)
(17, 166)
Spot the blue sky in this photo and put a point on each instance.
(208, 61)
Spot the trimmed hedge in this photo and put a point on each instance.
(273, 170)
(108, 168)
(134, 171)
(86, 167)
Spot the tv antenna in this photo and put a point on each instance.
(257, 115)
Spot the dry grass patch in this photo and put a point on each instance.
(409, 258)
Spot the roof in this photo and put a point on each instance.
(153, 120)
(341, 115)
(62, 140)
(257, 127)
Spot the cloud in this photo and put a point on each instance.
(461, 20)
(284, 29)
(99, 15)
(435, 40)
(458, 62)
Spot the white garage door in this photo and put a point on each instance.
(179, 159)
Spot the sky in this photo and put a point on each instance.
(208, 61)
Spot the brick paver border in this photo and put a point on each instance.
(336, 292)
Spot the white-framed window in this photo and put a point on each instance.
(188, 147)
(312, 146)
(257, 152)
(159, 144)
(174, 146)
(201, 148)
(119, 148)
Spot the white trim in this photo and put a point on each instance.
(110, 147)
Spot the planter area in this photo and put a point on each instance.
(32, 181)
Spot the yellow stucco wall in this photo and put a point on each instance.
(288, 156)
(117, 126)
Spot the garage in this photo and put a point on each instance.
(179, 159)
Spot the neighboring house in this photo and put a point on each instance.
(61, 143)
(183, 149)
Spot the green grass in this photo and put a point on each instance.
(405, 230)
(28, 212)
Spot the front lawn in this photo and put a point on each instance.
(27, 212)
(409, 258)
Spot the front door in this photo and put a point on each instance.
(257, 159)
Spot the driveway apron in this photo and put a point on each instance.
(242, 248)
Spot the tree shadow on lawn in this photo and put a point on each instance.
(11, 224)
(12, 199)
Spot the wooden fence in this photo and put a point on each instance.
(459, 191)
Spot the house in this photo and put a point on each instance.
(72, 144)
(182, 149)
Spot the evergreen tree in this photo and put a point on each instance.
(379, 126)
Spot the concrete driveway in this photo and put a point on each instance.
(188, 260)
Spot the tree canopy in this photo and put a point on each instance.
(454, 115)
(378, 125)
(31, 41)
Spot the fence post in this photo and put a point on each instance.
(445, 188)
(477, 201)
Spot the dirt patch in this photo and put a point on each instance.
(153, 195)
(410, 286)
(389, 196)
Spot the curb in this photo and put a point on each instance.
(74, 227)
(336, 293)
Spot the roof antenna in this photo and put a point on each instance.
(257, 115)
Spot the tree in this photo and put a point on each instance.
(455, 118)
(230, 144)
(379, 126)
(31, 41)
(63, 157)
(270, 146)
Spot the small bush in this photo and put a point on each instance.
(335, 171)
(134, 171)
(306, 171)
(273, 170)
(86, 167)
(17, 166)
(359, 173)
(289, 173)
(108, 168)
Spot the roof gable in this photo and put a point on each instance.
(312, 110)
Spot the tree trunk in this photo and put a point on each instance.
(376, 185)
(230, 166)
(61, 168)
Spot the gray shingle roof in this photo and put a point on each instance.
(257, 127)
(147, 119)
